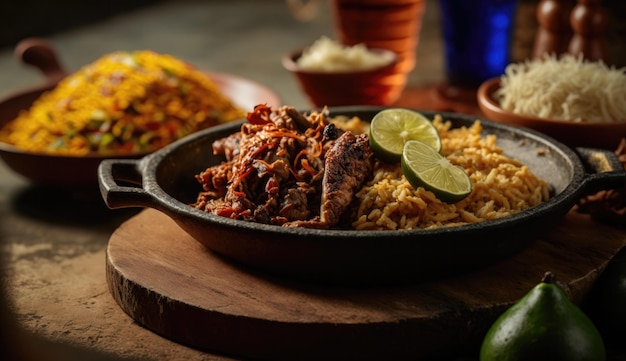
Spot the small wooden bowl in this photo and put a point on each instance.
(380, 86)
(573, 134)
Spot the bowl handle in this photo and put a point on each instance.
(604, 169)
(111, 173)
(40, 54)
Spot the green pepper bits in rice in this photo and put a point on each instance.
(123, 102)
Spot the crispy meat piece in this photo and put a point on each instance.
(214, 181)
(331, 132)
(295, 204)
(228, 146)
(347, 165)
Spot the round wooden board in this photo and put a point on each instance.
(175, 287)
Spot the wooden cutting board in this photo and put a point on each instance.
(174, 286)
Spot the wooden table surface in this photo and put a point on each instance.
(55, 302)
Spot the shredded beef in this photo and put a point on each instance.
(287, 169)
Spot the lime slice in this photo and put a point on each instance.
(391, 128)
(425, 167)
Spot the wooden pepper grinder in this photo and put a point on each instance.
(589, 22)
(554, 32)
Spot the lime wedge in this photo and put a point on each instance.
(391, 128)
(424, 167)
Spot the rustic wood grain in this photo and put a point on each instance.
(173, 286)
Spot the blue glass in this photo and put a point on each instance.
(477, 39)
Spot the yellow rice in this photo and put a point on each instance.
(501, 186)
(123, 102)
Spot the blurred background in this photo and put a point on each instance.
(83, 31)
(242, 37)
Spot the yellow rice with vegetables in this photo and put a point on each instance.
(123, 102)
(501, 186)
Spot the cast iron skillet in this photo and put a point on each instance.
(165, 181)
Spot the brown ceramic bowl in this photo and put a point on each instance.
(380, 86)
(573, 134)
(73, 172)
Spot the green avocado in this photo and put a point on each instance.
(606, 303)
(543, 325)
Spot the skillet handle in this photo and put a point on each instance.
(40, 54)
(112, 172)
(604, 169)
